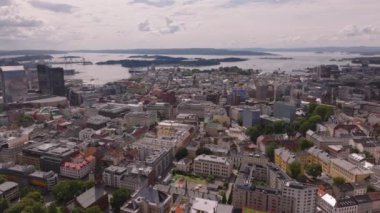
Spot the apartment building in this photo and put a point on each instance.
(212, 165)
(9, 190)
(350, 172)
(78, 167)
(304, 197)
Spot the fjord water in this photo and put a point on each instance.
(101, 74)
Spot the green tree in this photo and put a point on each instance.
(338, 180)
(324, 111)
(52, 208)
(33, 202)
(280, 127)
(294, 169)
(2, 179)
(66, 190)
(253, 132)
(181, 153)
(304, 144)
(3, 204)
(203, 150)
(94, 209)
(224, 198)
(269, 150)
(313, 169)
(370, 188)
(119, 197)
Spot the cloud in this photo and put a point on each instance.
(354, 30)
(144, 26)
(170, 27)
(154, 3)
(234, 3)
(162, 27)
(5, 3)
(53, 7)
(19, 22)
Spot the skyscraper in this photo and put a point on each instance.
(14, 83)
(51, 80)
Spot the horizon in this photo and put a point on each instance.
(168, 24)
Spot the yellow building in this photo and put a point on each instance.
(350, 172)
(283, 158)
(318, 156)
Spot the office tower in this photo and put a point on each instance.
(14, 83)
(51, 80)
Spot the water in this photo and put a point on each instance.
(101, 74)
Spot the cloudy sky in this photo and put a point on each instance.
(117, 24)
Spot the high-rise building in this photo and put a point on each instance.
(14, 83)
(284, 110)
(51, 80)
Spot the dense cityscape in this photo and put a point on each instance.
(179, 139)
(189, 106)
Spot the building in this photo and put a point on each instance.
(48, 156)
(201, 205)
(163, 110)
(14, 84)
(283, 158)
(51, 80)
(148, 200)
(78, 167)
(95, 196)
(250, 117)
(112, 175)
(350, 172)
(304, 197)
(331, 205)
(140, 119)
(29, 176)
(97, 122)
(9, 190)
(318, 156)
(113, 110)
(284, 111)
(212, 165)
(183, 165)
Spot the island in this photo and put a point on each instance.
(276, 58)
(159, 60)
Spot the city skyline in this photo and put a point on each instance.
(123, 24)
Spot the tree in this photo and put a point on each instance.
(338, 180)
(203, 150)
(224, 198)
(2, 179)
(294, 169)
(280, 127)
(304, 144)
(52, 209)
(119, 197)
(94, 209)
(324, 111)
(269, 150)
(313, 169)
(33, 202)
(370, 188)
(253, 132)
(66, 190)
(3, 204)
(181, 153)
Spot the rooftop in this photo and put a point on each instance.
(12, 68)
(90, 196)
(203, 205)
(212, 158)
(7, 185)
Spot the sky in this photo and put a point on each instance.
(126, 24)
